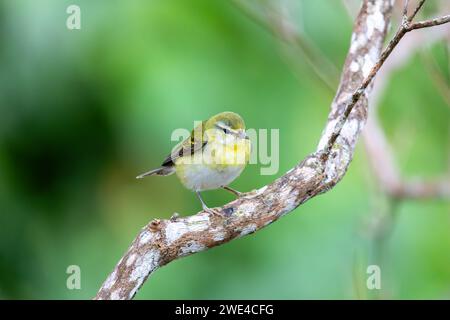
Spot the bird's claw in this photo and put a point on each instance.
(212, 211)
(238, 194)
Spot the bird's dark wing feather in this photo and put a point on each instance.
(194, 143)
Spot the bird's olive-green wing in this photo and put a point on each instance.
(194, 143)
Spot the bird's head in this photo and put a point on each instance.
(228, 123)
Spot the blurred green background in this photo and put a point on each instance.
(82, 112)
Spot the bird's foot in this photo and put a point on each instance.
(238, 194)
(212, 211)
(221, 213)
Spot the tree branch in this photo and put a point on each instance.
(163, 241)
(427, 23)
(406, 27)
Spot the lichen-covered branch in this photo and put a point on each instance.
(163, 241)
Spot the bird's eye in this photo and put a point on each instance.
(223, 128)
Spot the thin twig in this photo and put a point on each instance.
(403, 29)
(428, 23)
(416, 10)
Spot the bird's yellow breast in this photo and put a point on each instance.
(234, 153)
(217, 165)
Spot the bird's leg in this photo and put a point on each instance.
(204, 206)
(235, 192)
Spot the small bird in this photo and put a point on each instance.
(212, 157)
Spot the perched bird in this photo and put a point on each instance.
(215, 154)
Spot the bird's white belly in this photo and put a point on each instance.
(203, 177)
(215, 167)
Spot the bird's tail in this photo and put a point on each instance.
(161, 171)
